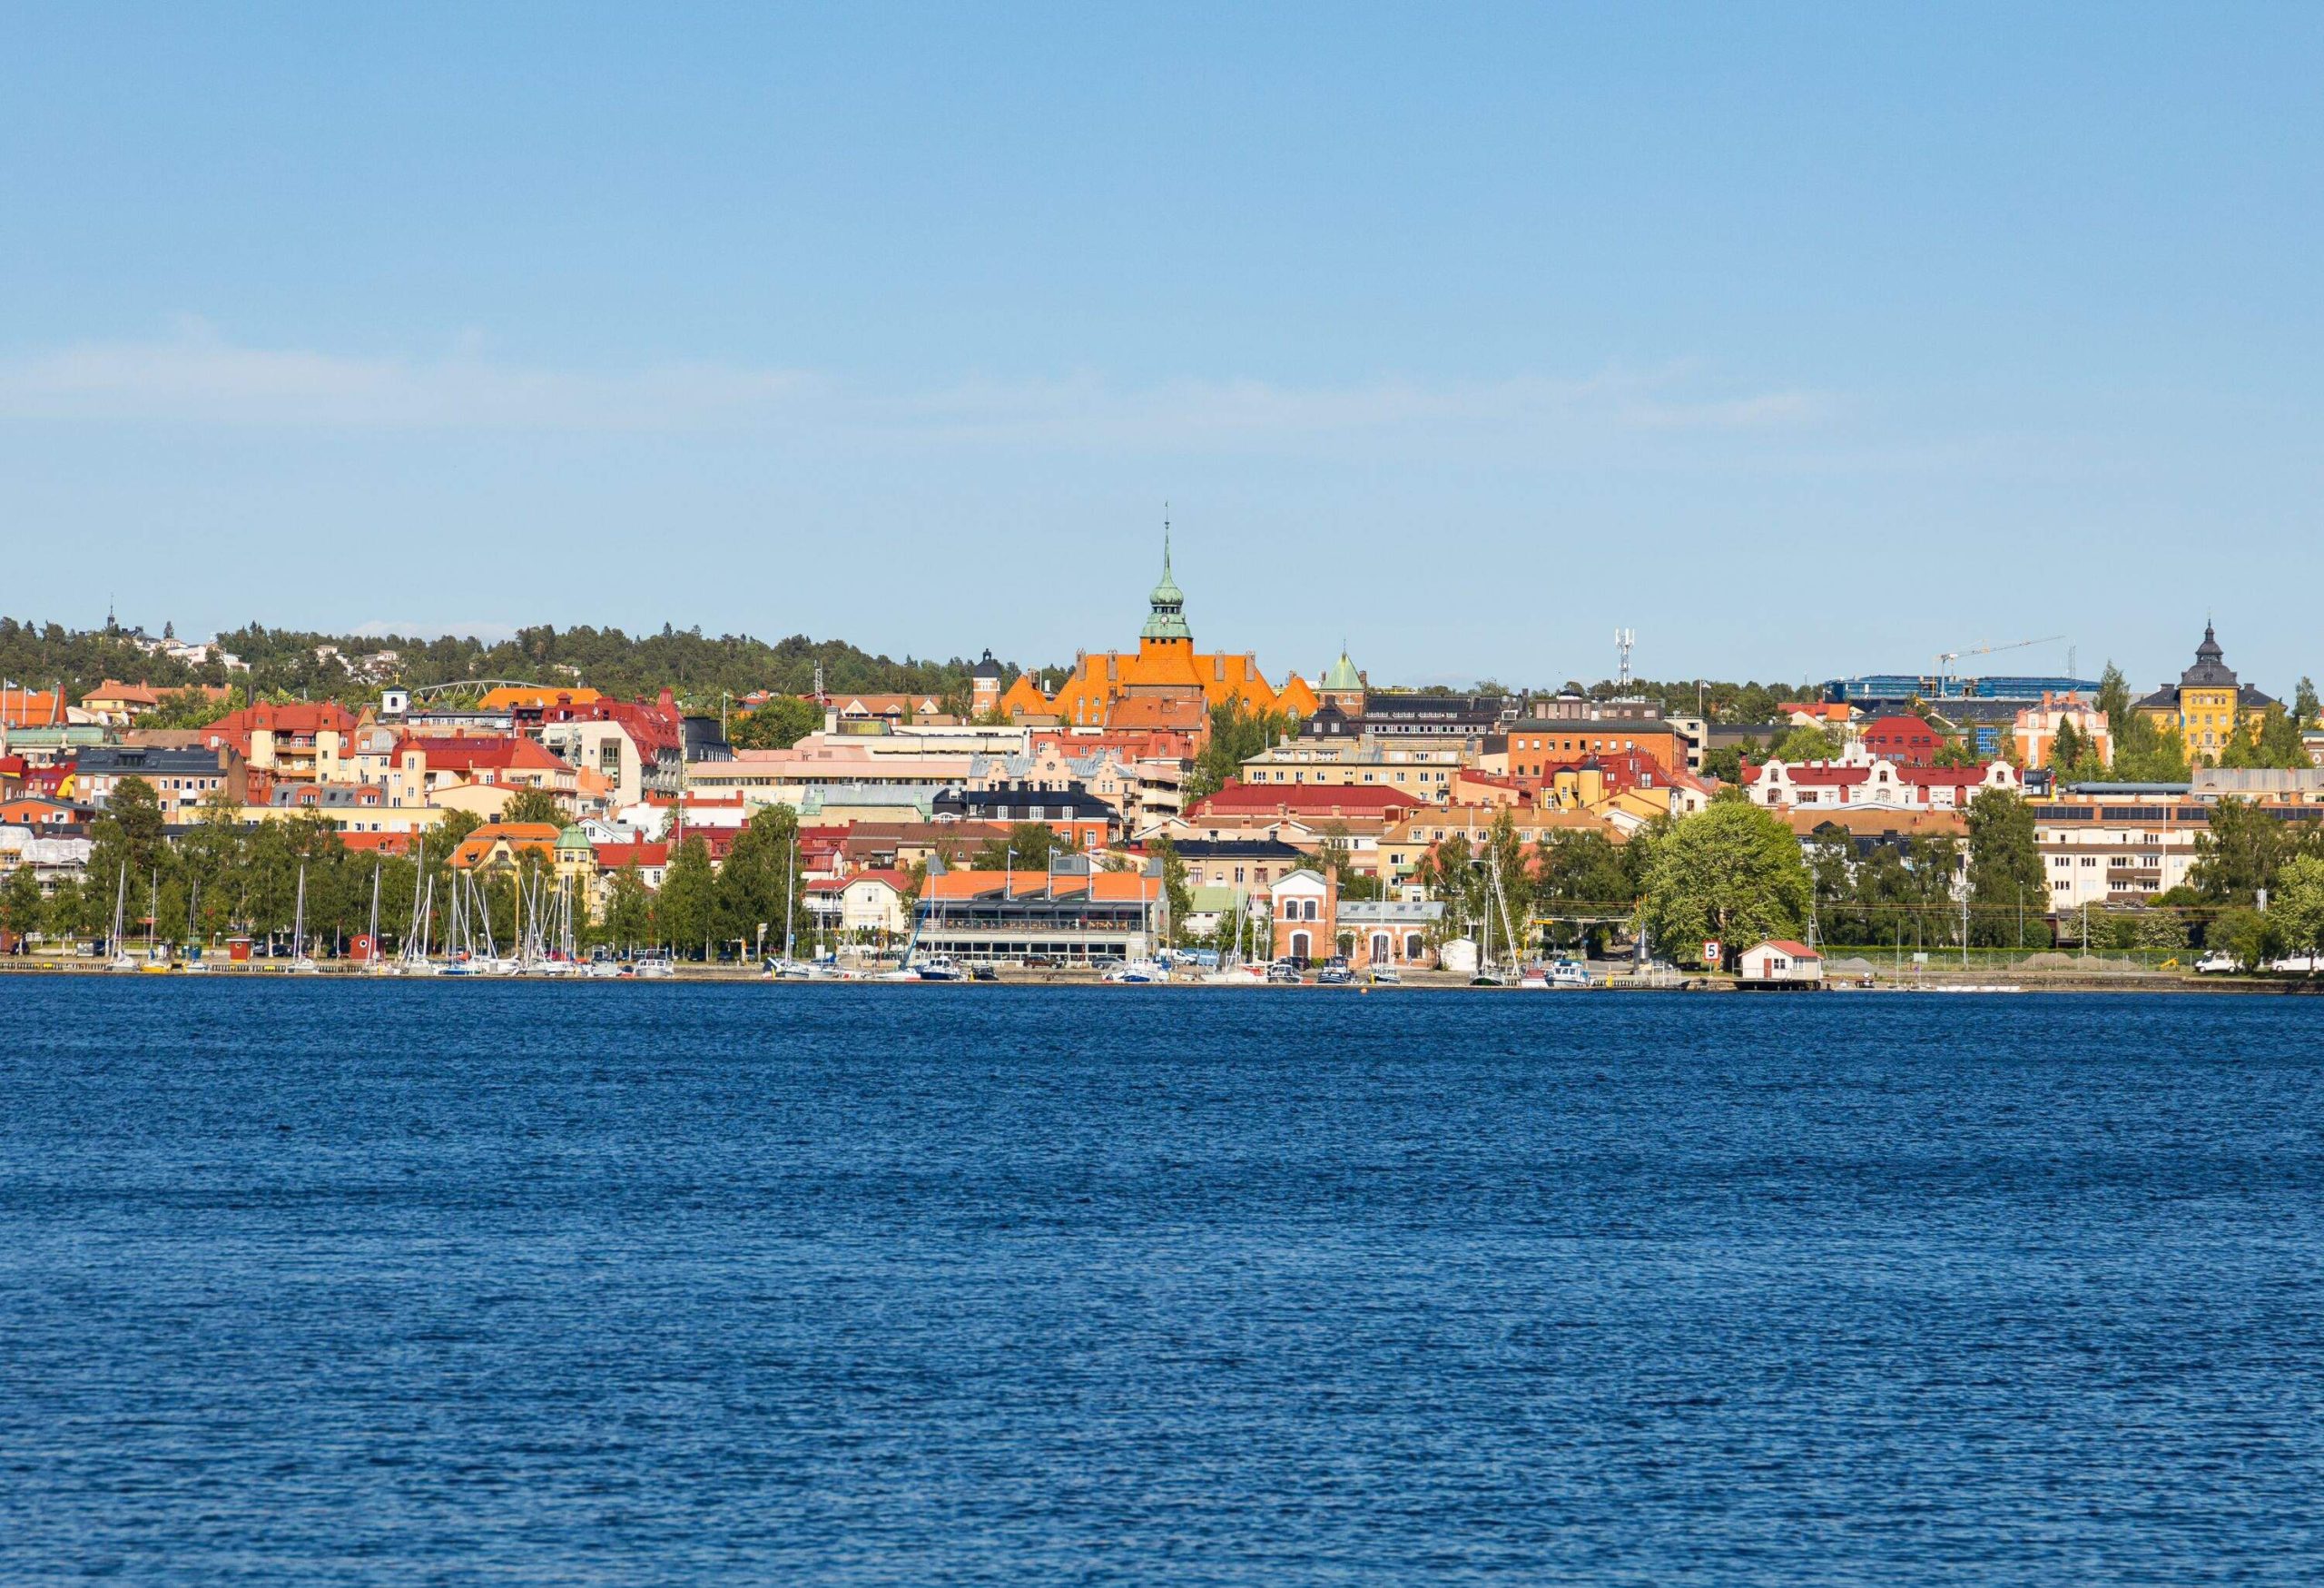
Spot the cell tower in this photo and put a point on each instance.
(1624, 638)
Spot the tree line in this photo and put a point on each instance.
(283, 663)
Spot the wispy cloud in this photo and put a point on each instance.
(197, 377)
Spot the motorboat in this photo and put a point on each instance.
(1335, 973)
(1139, 972)
(938, 969)
(653, 970)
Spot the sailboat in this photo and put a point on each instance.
(157, 957)
(374, 964)
(301, 963)
(1489, 973)
(119, 960)
(196, 963)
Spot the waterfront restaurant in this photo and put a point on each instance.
(1070, 914)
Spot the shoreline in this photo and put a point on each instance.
(1997, 981)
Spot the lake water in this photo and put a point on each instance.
(323, 1282)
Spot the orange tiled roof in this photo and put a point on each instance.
(1102, 887)
(535, 697)
(29, 708)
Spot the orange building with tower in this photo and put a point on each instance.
(1161, 681)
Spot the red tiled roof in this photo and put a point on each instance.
(499, 752)
(895, 879)
(644, 852)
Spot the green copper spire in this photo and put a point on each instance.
(1170, 615)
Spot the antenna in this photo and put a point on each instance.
(1624, 638)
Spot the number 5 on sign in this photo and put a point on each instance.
(1710, 951)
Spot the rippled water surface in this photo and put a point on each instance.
(422, 1283)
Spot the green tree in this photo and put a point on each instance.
(686, 910)
(23, 911)
(1178, 897)
(1505, 868)
(1029, 847)
(1449, 872)
(2304, 706)
(536, 804)
(629, 909)
(2277, 742)
(781, 722)
(1807, 743)
(1732, 871)
(1725, 762)
(1582, 869)
(2006, 876)
(192, 709)
(2114, 698)
(2243, 932)
(1237, 733)
(2298, 911)
(2066, 748)
(2238, 854)
(759, 878)
(132, 831)
(2143, 753)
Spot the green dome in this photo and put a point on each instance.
(1168, 620)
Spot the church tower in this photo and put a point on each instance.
(1166, 637)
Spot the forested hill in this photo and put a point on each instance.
(695, 666)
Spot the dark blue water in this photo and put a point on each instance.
(425, 1283)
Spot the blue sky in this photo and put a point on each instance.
(1801, 340)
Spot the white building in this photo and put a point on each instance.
(1861, 780)
(2117, 846)
(1779, 963)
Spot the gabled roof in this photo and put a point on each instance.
(895, 880)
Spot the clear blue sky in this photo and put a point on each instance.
(1803, 341)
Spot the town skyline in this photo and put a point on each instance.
(1975, 658)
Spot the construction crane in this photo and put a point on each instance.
(1944, 659)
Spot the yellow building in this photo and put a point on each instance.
(1166, 658)
(2206, 705)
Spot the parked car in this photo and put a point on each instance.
(2296, 965)
(2217, 962)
